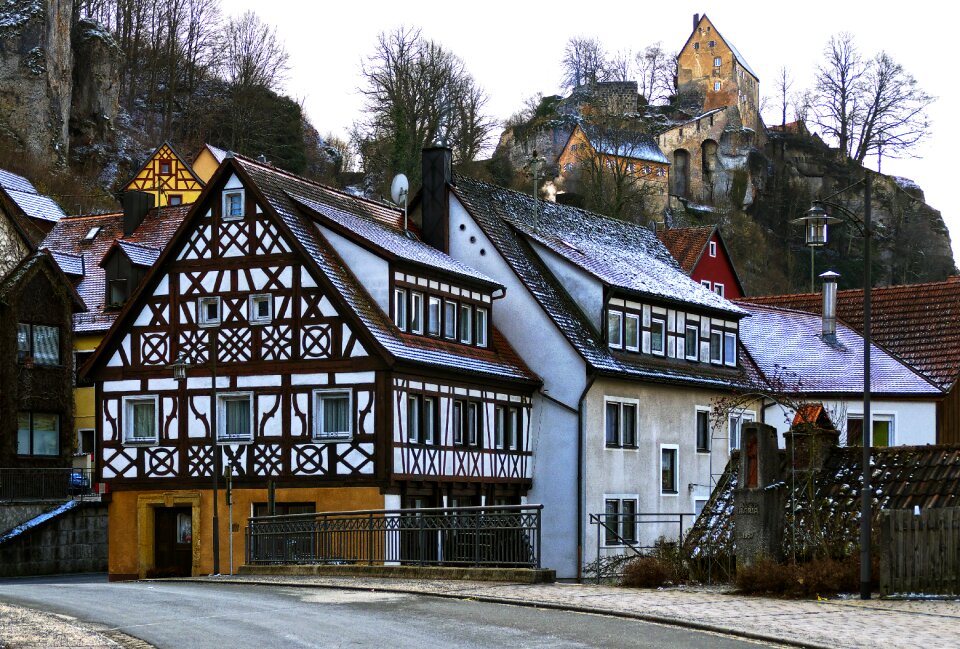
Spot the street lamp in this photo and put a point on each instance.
(815, 222)
(180, 367)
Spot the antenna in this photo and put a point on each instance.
(398, 192)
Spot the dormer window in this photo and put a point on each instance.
(730, 349)
(116, 292)
(615, 329)
(481, 333)
(716, 347)
(233, 204)
(632, 332)
(261, 309)
(658, 337)
(208, 310)
(691, 342)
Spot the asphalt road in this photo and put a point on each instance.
(171, 615)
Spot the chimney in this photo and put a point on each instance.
(829, 305)
(696, 21)
(434, 202)
(135, 207)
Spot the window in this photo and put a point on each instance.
(261, 309)
(140, 420)
(165, 168)
(621, 424)
(175, 199)
(400, 308)
(85, 437)
(620, 522)
(92, 234)
(413, 419)
(698, 505)
(668, 469)
(429, 420)
(457, 423)
(433, 316)
(736, 422)
(116, 292)
(691, 342)
(716, 347)
(712, 43)
(208, 310)
(730, 349)
(696, 46)
(38, 433)
(632, 332)
(716, 61)
(332, 415)
(466, 323)
(614, 329)
(232, 204)
(449, 319)
(473, 424)
(718, 288)
(706, 284)
(713, 248)
(514, 434)
(481, 332)
(416, 312)
(716, 85)
(235, 417)
(658, 333)
(883, 433)
(703, 431)
(499, 426)
(40, 343)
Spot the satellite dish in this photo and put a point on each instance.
(399, 188)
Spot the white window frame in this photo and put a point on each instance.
(702, 502)
(626, 342)
(676, 469)
(225, 214)
(253, 315)
(331, 436)
(414, 419)
(713, 248)
(875, 417)
(457, 408)
(465, 324)
(93, 441)
(500, 415)
(416, 312)
(663, 336)
(620, 403)
(717, 61)
(429, 419)
(716, 86)
(222, 399)
(735, 422)
(696, 342)
(483, 322)
(515, 437)
(613, 314)
(432, 301)
(449, 327)
(719, 289)
(729, 359)
(696, 426)
(202, 320)
(706, 284)
(128, 403)
(400, 308)
(718, 360)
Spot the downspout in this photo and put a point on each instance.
(581, 495)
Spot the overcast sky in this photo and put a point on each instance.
(513, 50)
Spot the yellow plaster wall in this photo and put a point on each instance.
(205, 164)
(131, 522)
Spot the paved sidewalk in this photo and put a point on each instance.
(835, 623)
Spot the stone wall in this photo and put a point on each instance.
(13, 514)
(73, 542)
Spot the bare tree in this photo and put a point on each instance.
(784, 83)
(839, 90)
(656, 71)
(416, 92)
(620, 66)
(253, 54)
(584, 61)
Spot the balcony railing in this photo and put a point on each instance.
(506, 536)
(45, 484)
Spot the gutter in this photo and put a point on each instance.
(581, 495)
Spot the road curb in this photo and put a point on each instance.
(592, 610)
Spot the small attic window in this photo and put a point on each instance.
(712, 43)
(696, 46)
(92, 234)
(232, 204)
(166, 168)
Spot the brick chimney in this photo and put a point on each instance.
(435, 204)
(829, 330)
(135, 207)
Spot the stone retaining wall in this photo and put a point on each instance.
(73, 542)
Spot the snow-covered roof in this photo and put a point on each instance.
(624, 144)
(787, 345)
(70, 264)
(219, 154)
(22, 192)
(11, 181)
(138, 254)
(394, 242)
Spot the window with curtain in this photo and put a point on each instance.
(332, 412)
(39, 342)
(235, 424)
(140, 420)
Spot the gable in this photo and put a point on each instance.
(166, 175)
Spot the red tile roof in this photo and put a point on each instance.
(67, 237)
(919, 323)
(686, 244)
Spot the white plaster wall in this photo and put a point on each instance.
(666, 416)
(585, 289)
(374, 270)
(914, 422)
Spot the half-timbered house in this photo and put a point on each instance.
(631, 351)
(167, 177)
(334, 359)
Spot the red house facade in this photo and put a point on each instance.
(703, 256)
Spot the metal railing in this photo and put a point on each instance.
(626, 532)
(45, 484)
(507, 536)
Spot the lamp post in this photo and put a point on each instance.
(180, 367)
(816, 222)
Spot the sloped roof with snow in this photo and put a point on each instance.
(33, 204)
(624, 144)
(139, 255)
(788, 345)
(686, 244)
(394, 242)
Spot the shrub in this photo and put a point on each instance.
(647, 572)
(818, 577)
(765, 576)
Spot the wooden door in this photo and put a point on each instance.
(173, 542)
